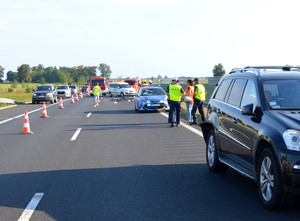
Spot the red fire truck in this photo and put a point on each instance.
(103, 84)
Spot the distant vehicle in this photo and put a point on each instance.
(151, 99)
(121, 89)
(44, 93)
(103, 83)
(74, 89)
(85, 88)
(63, 91)
(134, 83)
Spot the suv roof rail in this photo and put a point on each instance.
(257, 69)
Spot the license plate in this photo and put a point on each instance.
(41, 96)
(156, 105)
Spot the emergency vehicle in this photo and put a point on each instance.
(103, 84)
(134, 83)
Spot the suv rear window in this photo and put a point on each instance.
(223, 88)
(236, 93)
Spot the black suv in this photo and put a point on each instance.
(253, 127)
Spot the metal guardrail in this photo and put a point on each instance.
(7, 101)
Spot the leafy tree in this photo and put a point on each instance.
(1, 72)
(24, 73)
(159, 77)
(166, 76)
(11, 76)
(104, 70)
(63, 78)
(219, 70)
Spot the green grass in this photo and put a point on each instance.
(18, 93)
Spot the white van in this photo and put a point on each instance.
(120, 89)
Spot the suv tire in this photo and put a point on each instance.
(212, 157)
(269, 184)
(122, 94)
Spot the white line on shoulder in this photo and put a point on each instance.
(198, 132)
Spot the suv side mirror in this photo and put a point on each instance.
(248, 110)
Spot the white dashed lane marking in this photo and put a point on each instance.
(27, 213)
(74, 137)
(89, 114)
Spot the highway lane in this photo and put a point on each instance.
(122, 166)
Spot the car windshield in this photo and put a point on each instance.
(62, 87)
(72, 86)
(43, 88)
(152, 92)
(282, 94)
(124, 85)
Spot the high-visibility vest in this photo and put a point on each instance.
(96, 90)
(175, 92)
(200, 95)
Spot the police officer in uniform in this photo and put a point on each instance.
(199, 98)
(175, 93)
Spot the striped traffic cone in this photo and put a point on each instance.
(72, 99)
(81, 95)
(26, 127)
(44, 111)
(76, 97)
(61, 105)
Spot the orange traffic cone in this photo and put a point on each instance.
(44, 111)
(76, 97)
(81, 95)
(61, 105)
(26, 127)
(72, 100)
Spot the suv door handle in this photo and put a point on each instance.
(234, 120)
(218, 111)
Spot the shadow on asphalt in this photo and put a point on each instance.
(162, 192)
(91, 127)
(122, 112)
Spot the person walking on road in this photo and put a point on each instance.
(175, 93)
(199, 98)
(189, 91)
(96, 92)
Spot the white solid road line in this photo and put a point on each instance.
(198, 132)
(30, 112)
(27, 213)
(76, 134)
(89, 114)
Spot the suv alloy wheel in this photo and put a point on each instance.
(212, 159)
(269, 184)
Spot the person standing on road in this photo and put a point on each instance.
(175, 93)
(172, 82)
(199, 98)
(189, 91)
(96, 92)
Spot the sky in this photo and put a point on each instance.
(149, 37)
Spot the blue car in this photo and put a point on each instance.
(151, 99)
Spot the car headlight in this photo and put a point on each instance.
(34, 95)
(292, 139)
(49, 94)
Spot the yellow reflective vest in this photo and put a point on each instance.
(200, 95)
(175, 92)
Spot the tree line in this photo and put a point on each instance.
(64, 75)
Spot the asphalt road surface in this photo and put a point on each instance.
(110, 163)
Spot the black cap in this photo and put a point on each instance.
(174, 79)
(196, 79)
